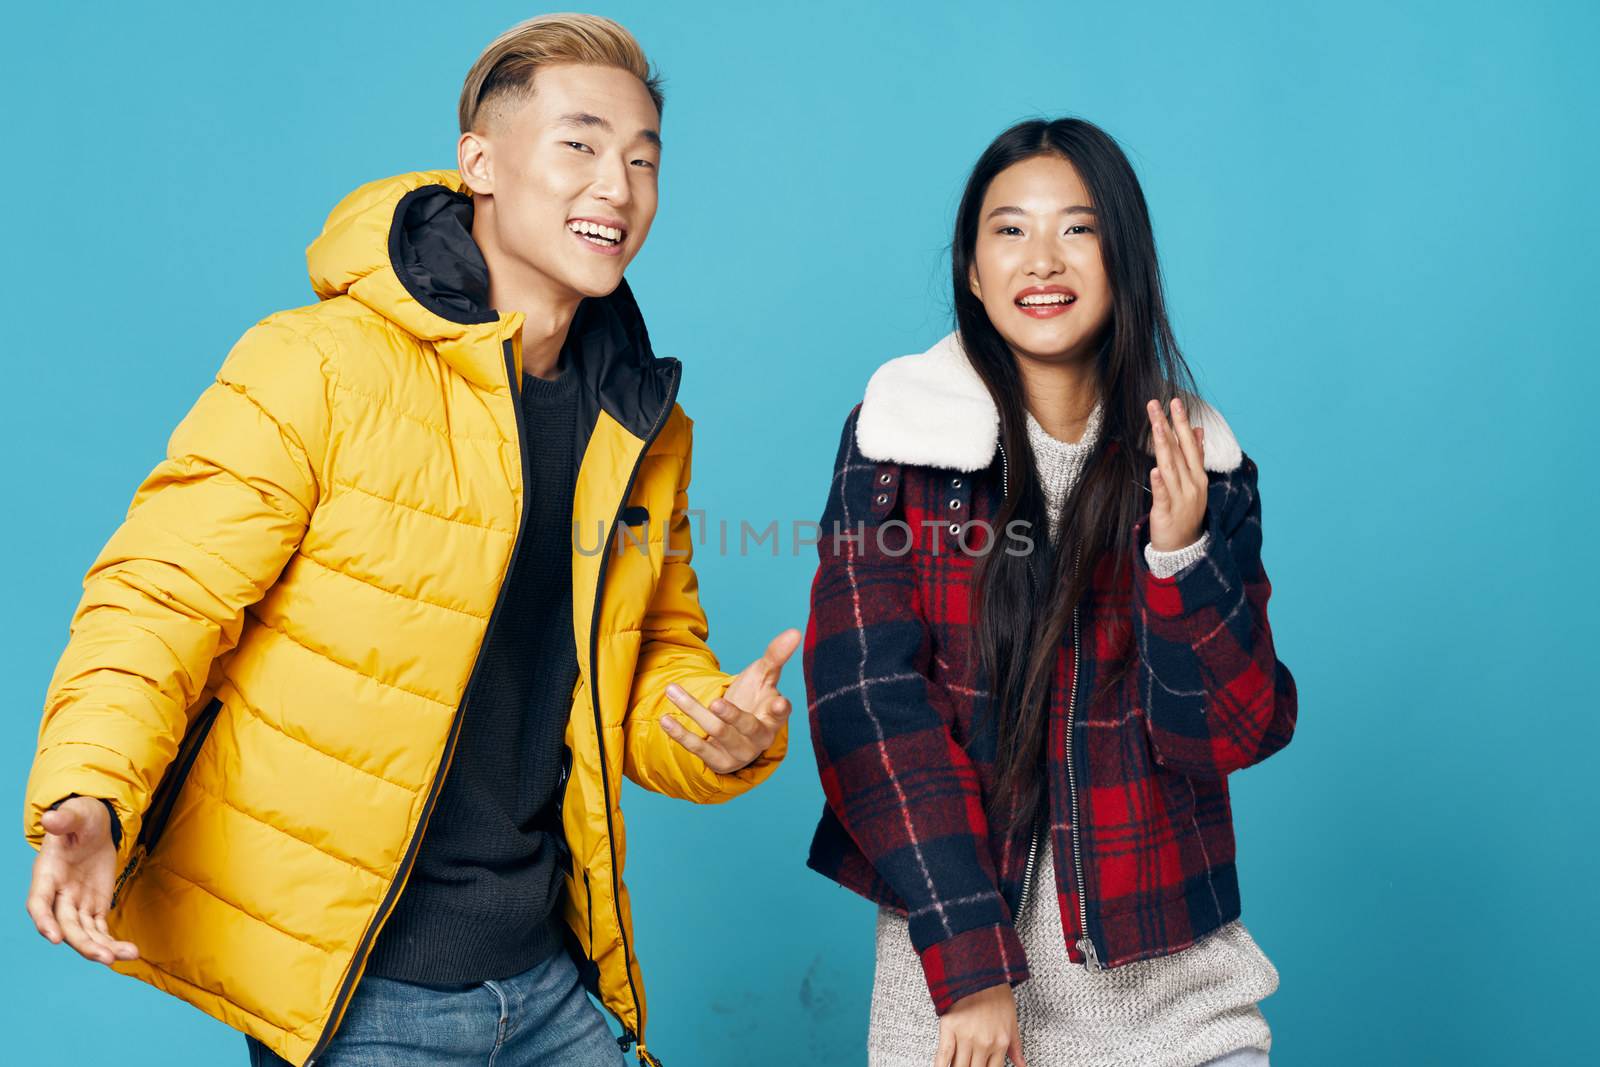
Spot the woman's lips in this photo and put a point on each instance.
(1045, 301)
(1044, 311)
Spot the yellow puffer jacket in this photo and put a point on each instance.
(266, 669)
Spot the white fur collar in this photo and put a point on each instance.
(932, 410)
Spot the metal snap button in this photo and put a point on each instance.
(955, 483)
(883, 479)
(955, 504)
(883, 498)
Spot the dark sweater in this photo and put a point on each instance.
(481, 899)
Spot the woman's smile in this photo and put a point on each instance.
(1045, 301)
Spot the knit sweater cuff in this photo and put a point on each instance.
(1167, 564)
(973, 961)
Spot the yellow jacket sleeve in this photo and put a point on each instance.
(674, 649)
(206, 535)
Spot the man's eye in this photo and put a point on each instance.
(579, 145)
(644, 163)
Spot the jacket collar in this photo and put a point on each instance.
(932, 410)
(403, 247)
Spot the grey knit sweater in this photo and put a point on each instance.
(1173, 1011)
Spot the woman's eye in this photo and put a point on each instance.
(1008, 230)
(579, 145)
(644, 163)
(1079, 229)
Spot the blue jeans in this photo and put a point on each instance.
(541, 1016)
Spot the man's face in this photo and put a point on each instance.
(569, 176)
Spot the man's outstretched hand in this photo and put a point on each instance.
(73, 876)
(742, 724)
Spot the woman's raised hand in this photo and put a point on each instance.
(1178, 481)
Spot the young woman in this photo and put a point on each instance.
(1038, 647)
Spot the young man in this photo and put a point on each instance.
(349, 696)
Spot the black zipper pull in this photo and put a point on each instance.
(559, 831)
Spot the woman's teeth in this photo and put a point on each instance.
(593, 231)
(1042, 299)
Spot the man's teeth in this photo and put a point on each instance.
(594, 229)
(1036, 299)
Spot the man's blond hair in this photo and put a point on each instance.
(504, 72)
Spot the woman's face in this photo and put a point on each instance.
(1037, 267)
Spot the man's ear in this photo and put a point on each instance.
(475, 161)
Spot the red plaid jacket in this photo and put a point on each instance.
(895, 697)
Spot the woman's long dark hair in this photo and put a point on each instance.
(1137, 359)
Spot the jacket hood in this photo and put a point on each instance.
(402, 246)
(932, 410)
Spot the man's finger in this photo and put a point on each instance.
(95, 924)
(713, 725)
(709, 754)
(125, 950)
(773, 713)
(40, 898)
(91, 930)
(62, 821)
(1015, 1051)
(745, 725)
(66, 912)
(779, 649)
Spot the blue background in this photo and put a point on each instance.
(1377, 222)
